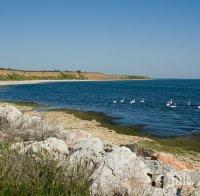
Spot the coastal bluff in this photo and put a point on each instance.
(20, 75)
(111, 169)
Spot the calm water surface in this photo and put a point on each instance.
(98, 96)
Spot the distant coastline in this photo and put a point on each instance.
(7, 74)
(22, 82)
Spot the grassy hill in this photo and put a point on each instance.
(10, 74)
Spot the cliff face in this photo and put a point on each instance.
(57, 75)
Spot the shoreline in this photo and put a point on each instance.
(59, 146)
(23, 82)
(98, 125)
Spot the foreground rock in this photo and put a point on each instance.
(50, 145)
(120, 172)
(112, 170)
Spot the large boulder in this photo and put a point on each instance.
(50, 145)
(91, 144)
(88, 151)
(166, 180)
(10, 117)
(120, 172)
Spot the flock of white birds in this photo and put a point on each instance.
(131, 102)
(169, 104)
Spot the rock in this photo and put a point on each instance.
(118, 172)
(171, 181)
(158, 181)
(180, 182)
(187, 190)
(90, 143)
(196, 191)
(195, 176)
(87, 152)
(112, 170)
(158, 167)
(10, 117)
(33, 128)
(162, 192)
(72, 137)
(50, 144)
(86, 158)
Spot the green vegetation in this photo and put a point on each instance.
(172, 145)
(25, 174)
(131, 77)
(3, 78)
(69, 76)
(24, 76)
(105, 121)
(181, 146)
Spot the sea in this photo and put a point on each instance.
(154, 116)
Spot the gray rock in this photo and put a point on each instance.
(196, 191)
(90, 143)
(10, 117)
(72, 137)
(162, 192)
(120, 172)
(158, 168)
(111, 169)
(50, 145)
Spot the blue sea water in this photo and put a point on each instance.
(99, 95)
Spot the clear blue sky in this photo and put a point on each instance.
(160, 38)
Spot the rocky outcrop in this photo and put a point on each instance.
(112, 170)
(120, 172)
(50, 145)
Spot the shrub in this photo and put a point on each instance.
(25, 174)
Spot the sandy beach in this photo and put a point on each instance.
(8, 83)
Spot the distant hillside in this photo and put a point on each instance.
(10, 74)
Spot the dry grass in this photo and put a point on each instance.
(25, 174)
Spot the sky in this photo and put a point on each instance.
(159, 38)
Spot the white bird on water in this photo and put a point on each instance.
(122, 100)
(142, 101)
(132, 101)
(199, 107)
(114, 101)
(173, 106)
(189, 103)
(168, 104)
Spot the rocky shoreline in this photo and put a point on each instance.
(113, 170)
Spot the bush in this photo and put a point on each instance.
(25, 174)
